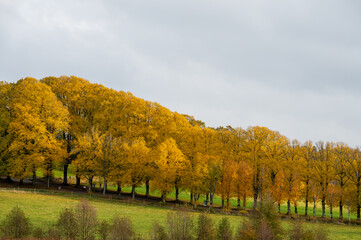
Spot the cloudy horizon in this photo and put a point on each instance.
(292, 66)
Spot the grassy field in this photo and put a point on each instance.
(43, 209)
(184, 195)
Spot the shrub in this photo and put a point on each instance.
(224, 230)
(67, 224)
(180, 226)
(15, 224)
(85, 216)
(53, 233)
(121, 229)
(265, 222)
(320, 233)
(103, 230)
(245, 232)
(205, 228)
(38, 233)
(158, 232)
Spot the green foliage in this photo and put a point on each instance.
(103, 230)
(121, 229)
(86, 219)
(205, 228)
(180, 226)
(67, 223)
(224, 230)
(158, 232)
(15, 224)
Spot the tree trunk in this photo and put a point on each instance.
(288, 207)
(349, 213)
(314, 208)
(8, 179)
(164, 198)
(77, 181)
(279, 207)
(358, 202)
(133, 191)
(341, 208)
(176, 193)
(210, 201)
(296, 211)
(238, 203)
(119, 189)
(207, 198)
(147, 188)
(105, 186)
(65, 172)
(48, 181)
(244, 202)
(306, 200)
(323, 202)
(34, 178)
(255, 196)
(90, 184)
(191, 201)
(222, 202)
(331, 213)
(21, 181)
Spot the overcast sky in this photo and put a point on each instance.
(292, 66)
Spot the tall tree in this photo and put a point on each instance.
(254, 146)
(342, 156)
(171, 165)
(5, 119)
(323, 170)
(136, 157)
(38, 119)
(354, 175)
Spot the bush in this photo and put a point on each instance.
(265, 222)
(180, 226)
(224, 230)
(15, 224)
(103, 230)
(67, 224)
(121, 228)
(320, 233)
(53, 233)
(245, 232)
(158, 232)
(205, 228)
(85, 217)
(299, 233)
(38, 233)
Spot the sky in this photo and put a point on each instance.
(292, 66)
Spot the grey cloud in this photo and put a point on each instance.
(292, 66)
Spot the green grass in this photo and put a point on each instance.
(43, 209)
(185, 196)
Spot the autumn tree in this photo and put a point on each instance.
(5, 118)
(354, 175)
(171, 166)
(342, 155)
(323, 170)
(73, 93)
(309, 153)
(292, 155)
(254, 147)
(136, 157)
(38, 119)
(89, 152)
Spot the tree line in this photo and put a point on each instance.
(129, 141)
